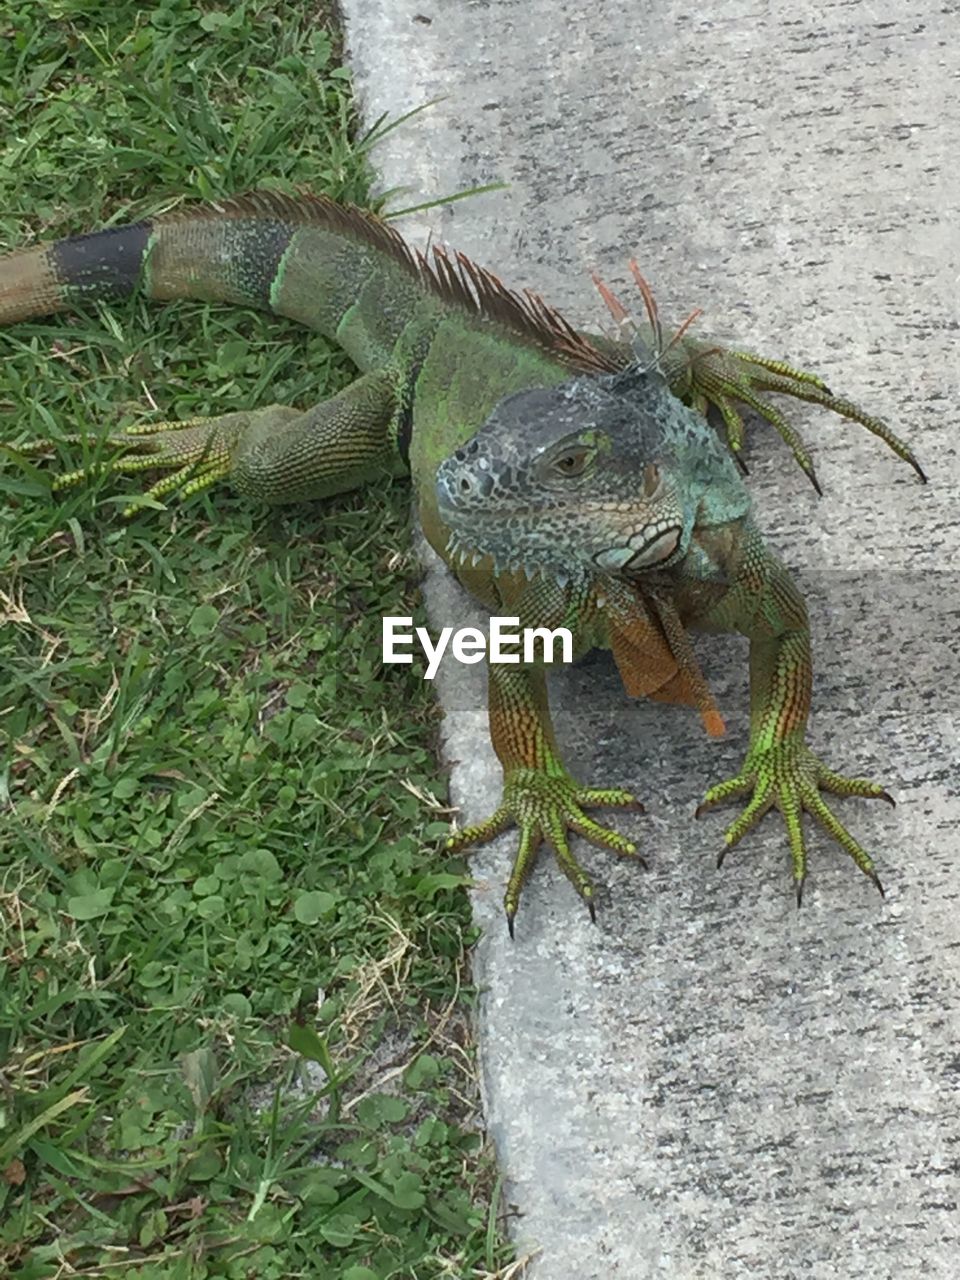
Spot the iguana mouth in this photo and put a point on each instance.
(659, 547)
(476, 535)
(469, 552)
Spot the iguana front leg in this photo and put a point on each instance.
(780, 769)
(275, 454)
(539, 796)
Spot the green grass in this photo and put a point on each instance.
(233, 1011)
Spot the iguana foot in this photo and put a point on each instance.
(728, 381)
(547, 807)
(791, 777)
(707, 376)
(196, 454)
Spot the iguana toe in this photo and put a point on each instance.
(789, 777)
(546, 808)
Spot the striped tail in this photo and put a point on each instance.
(53, 277)
(336, 268)
(302, 256)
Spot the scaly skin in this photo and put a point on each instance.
(613, 478)
(440, 345)
(780, 769)
(539, 796)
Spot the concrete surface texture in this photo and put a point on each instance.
(710, 1083)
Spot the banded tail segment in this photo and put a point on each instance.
(239, 252)
(37, 282)
(116, 262)
(337, 268)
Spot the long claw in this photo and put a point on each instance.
(194, 455)
(791, 382)
(791, 777)
(706, 375)
(546, 807)
(776, 419)
(838, 785)
(599, 835)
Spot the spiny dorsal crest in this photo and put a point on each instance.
(453, 277)
(646, 359)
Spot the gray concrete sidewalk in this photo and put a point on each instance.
(709, 1083)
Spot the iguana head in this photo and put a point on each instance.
(596, 475)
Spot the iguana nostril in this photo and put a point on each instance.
(464, 485)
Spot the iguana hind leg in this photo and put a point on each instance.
(731, 381)
(721, 382)
(275, 454)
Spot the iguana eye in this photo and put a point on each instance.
(572, 462)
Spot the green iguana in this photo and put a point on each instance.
(562, 480)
